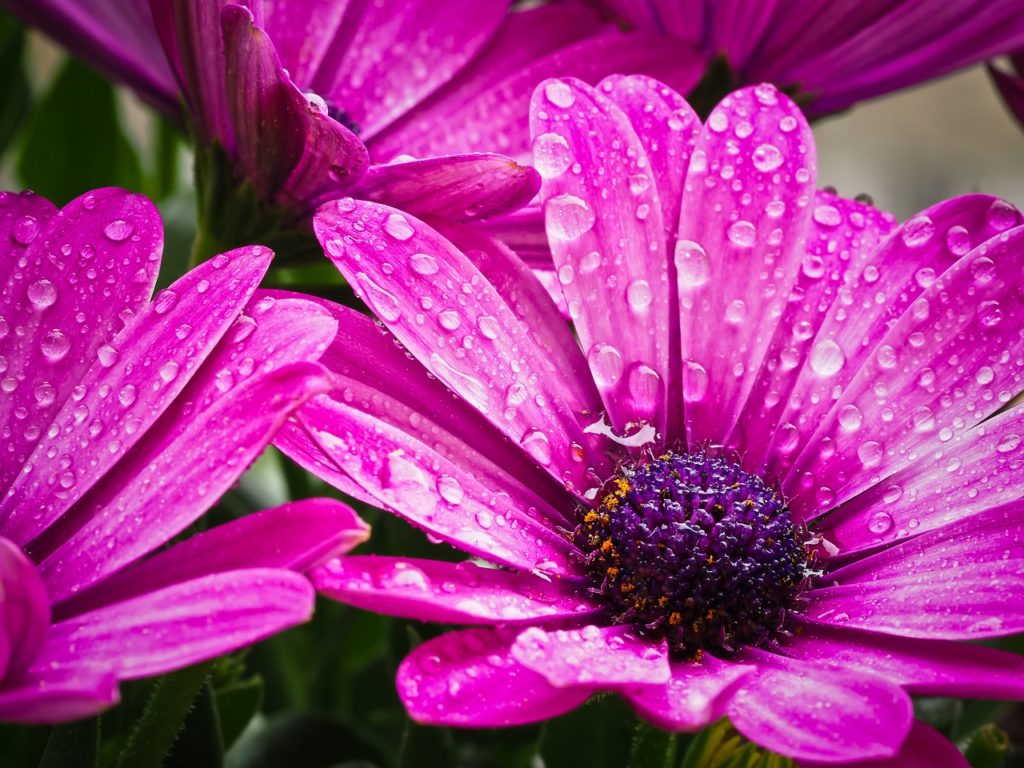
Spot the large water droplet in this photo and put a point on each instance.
(918, 231)
(826, 358)
(25, 230)
(605, 364)
(55, 345)
(692, 264)
(423, 264)
(767, 157)
(398, 226)
(450, 489)
(536, 443)
(118, 230)
(559, 94)
(42, 294)
(639, 295)
(695, 381)
(742, 234)
(551, 155)
(383, 302)
(880, 522)
(568, 217)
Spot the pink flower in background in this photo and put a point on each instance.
(771, 479)
(302, 95)
(834, 54)
(124, 420)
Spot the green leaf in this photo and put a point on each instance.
(164, 717)
(15, 94)
(237, 704)
(987, 747)
(73, 745)
(199, 743)
(304, 740)
(425, 746)
(74, 140)
(652, 747)
(596, 735)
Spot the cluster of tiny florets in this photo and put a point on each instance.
(694, 549)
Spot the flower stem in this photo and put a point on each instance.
(652, 747)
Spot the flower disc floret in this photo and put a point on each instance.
(693, 548)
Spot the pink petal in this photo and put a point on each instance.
(607, 238)
(471, 679)
(446, 313)
(923, 248)
(950, 361)
(22, 217)
(694, 697)
(843, 241)
(122, 387)
(754, 166)
(57, 694)
(924, 747)
(24, 610)
(87, 271)
(390, 54)
(974, 470)
(303, 32)
(179, 625)
(459, 187)
(296, 536)
(173, 477)
(450, 593)
(923, 667)
(905, 590)
(291, 151)
(496, 118)
(592, 656)
(811, 712)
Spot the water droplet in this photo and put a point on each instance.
(767, 157)
(1001, 215)
(423, 264)
(958, 240)
(164, 301)
(568, 217)
(886, 357)
(551, 155)
(828, 216)
(45, 393)
(107, 355)
(918, 231)
(383, 302)
(25, 230)
(983, 270)
(736, 312)
(605, 364)
(639, 295)
(826, 358)
(42, 294)
(559, 94)
(488, 326)
(850, 418)
(718, 122)
(788, 124)
(127, 395)
(880, 522)
(536, 443)
(742, 234)
(695, 382)
(870, 454)
(450, 489)
(692, 264)
(118, 230)
(990, 314)
(169, 370)
(398, 226)
(55, 345)
(449, 319)
(1008, 443)
(985, 375)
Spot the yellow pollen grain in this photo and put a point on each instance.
(675, 618)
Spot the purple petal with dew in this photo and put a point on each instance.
(303, 33)
(125, 384)
(754, 164)
(923, 667)
(945, 365)
(815, 712)
(297, 536)
(171, 478)
(607, 239)
(524, 35)
(22, 217)
(471, 679)
(907, 263)
(694, 697)
(388, 55)
(592, 656)
(179, 625)
(842, 242)
(924, 747)
(972, 471)
(287, 145)
(451, 593)
(24, 610)
(57, 694)
(905, 590)
(458, 188)
(496, 119)
(446, 313)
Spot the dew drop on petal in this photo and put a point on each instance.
(118, 230)
(383, 302)
(536, 443)
(767, 157)
(55, 345)
(42, 294)
(551, 155)
(639, 295)
(918, 231)
(742, 234)
(692, 264)
(423, 264)
(826, 358)
(880, 522)
(568, 217)
(695, 381)
(605, 364)
(398, 226)
(559, 94)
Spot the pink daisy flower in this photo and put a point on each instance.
(123, 420)
(767, 477)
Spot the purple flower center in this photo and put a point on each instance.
(694, 549)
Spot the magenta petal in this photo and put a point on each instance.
(470, 678)
(592, 656)
(923, 667)
(290, 150)
(296, 536)
(24, 610)
(1011, 88)
(977, 469)
(458, 188)
(57, 694)
(123, 386)
(181, 624)
(811, 712)
(86, 273)
(446, 313)
(451, 593)
(754, 166)
(940, 346)
(694, 697)
(924, 747)
(196, 459)
(607, 239)
(22, 217)
(979, 559)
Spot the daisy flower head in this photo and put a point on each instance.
(767, 474)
